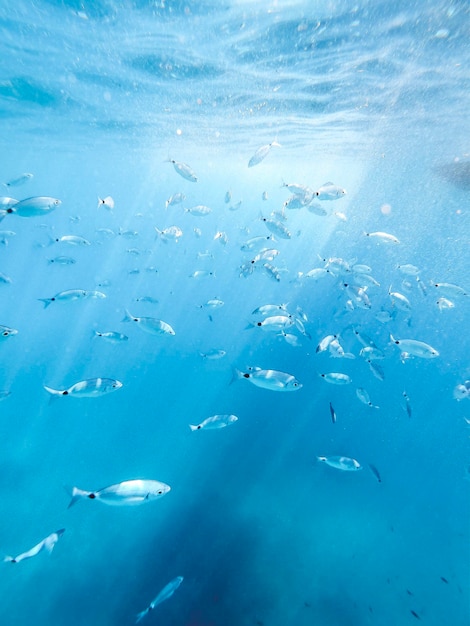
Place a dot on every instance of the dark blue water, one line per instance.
(95, 97)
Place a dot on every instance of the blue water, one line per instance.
(95, 97)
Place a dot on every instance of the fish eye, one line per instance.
(160, 492)
(5, 333)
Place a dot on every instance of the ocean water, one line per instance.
(96, 99)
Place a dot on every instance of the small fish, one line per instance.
(72, 240)
(215, 422)
(336, 378)
(71, 294)
(444, 580)
(33, 207)
(408, 270)
(364, 398)
(316, 273)
(4, 394)
(221, 237)
(184, 170)
(376, 370)
(111, 336)
(399, 301)
(333, 414)
(265, 309)
(269, 379)
(202, 274)
(407, 404)
(91, 388)
(200, 210)
(214, 303)
(128, 492)
(172, 233)
(414, 614)
(341, 462)
(450, 290)
(291, 339)
(167, 591)
(6, 280)
(6, 331)
(324, 343)
(330, 191)
(61, 260)
(213, 354)
(46, 544)
(462, 391)
(383, 237)
(148, 299)
(176, 198)
(262, 153)
(416, 348)
(5, 235)
(443, 304)
(107, 203)
(273, 323)
(256, 243)
(375, 471)
(277, 228)
(372, 354)
(272, 272)
(228, 197)
(19, 180)
(150, 325)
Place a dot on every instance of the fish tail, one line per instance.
(76, 494)
(236, 375)
(192, 427)
(2, 214)
(55, 393)
(46, 301)
(141, 615)
(9, 559)
(127, 317)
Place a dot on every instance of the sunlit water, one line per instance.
(95, 98)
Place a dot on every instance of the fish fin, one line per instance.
(141, 615)
(55, 393)
(46, 301)
(127, 317)
(192, 427)
(236, 375)
(3, 214)
(9, 559)
(76, 494)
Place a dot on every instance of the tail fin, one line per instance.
(9, 559)
(76, 494)
(141, 615)
(127, 317)
(46, 301)
(55, 393)
(192, 427)
(236, 375)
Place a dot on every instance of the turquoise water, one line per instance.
(95, 98)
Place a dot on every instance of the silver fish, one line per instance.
(262, 153)
(90, 388)
(111, 336)
(72, 240)
(215, 422)
(129, 492)
(364, 398)
(46, 544)
(330, 191)
(273, 323)
(383, 237)
(184, 170)
(61, 260)
(200, 210)
(416, 348)
(173, 233)
(167, 591)
(336, 378)
(34, 207)
(213, 354)
(6, 331)
(71, 294)
(107, 203)
(150, 325)
(176, 198)
(19, 180)
(341, 462)
(450, 290)
(277, 228)
(269, 379)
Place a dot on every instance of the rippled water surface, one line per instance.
(108, 100)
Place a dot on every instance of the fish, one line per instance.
(450, 290)
(71, 294)
(184, 170)
(111, 336)
(4, 394)
(265, 309)
(128, 492)
(416, 348)
(167, 591)
(333, 414)
(376, 369)
(336, 378)
(6, 331)
(150, 325)
(399, 301)
(34, 207)
(462, 391)
(324, 343)
(443, 304)
(256, 243)
(214, 303)
(213, 354)
(176, 198)
(61, 260)
(291, 339)
(330, 191)
(344, 463)
(272, 380)
(200, 210)
(372, 354)
(364, 398)
(407, 404)
(19, 180)
(408, 270)
(277, 228)
(171, 233)
(5, 236)
(149, 299)
(215, 422)
(107, 203)
(272, 272)
(414, 614)
(72, 240)
(262, 153)
(202, 274)
(375, 471)
(273, 323)
(90, 388)
(47, 544)
(383, 237)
